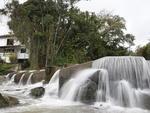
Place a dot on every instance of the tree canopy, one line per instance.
(57, 32)
(144, 51)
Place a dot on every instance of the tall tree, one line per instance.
(56, 32)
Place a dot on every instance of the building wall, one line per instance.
(17, 49)
(3, 42)
(21, 55)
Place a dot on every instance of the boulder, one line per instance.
(88, 91)
(146, 101)
(37, 92)
(7, 101)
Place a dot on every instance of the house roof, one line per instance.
(7, 36)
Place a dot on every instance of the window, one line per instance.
(23, 50)
(10, 41)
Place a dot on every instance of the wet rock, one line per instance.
(88, 92)
(7, 101)
(18, 77)
(146, 101)
(37, 92)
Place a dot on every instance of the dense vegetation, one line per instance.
(57, 32)
(144, 51)
(5, 68)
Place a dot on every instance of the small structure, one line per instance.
(11, 50)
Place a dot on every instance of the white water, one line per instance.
(125, 94)
(70, 88)
(7, 76)
(21, 80)
(119, 84)
(103, 93)
(128, 76)
(29, 79)
(11, 81)
(53, 86)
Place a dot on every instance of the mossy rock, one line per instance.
(37, 92)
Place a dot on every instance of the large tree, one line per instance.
(93, 36)
(56, 32)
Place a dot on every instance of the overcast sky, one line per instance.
(135, 12)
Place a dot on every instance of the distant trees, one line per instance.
(144, 51)
(57, 33)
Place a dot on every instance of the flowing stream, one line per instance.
(113, 84)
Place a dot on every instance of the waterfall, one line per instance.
(21, 80)
(7, 76)
(103, 86)
(125, 94)
(111, 82)
(53, 86)
(127, 77)
(11, 80)
(72, 87)
(133, 69)
(29, 79)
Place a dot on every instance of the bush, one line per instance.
(5, 68)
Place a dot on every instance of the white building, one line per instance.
(10, 46)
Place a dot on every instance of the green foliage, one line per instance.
(5, 68)
(144, 51)
(57, 33)
(97, 36)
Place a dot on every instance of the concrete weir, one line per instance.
(66, 73)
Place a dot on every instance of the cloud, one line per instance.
(135, 12)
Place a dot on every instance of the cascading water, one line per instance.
(21, 80)
(120, 81)
(125, 94)
(103, 87)
(29, 79)
(73, 89)
(53, 86)
(126, 76)
(7, 76)
(133, 69)
(11, 81)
